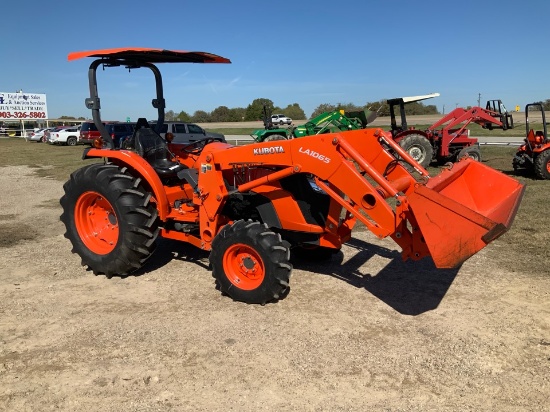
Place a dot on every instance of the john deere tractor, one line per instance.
(327, 122)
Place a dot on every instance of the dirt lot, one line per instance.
(365, 332)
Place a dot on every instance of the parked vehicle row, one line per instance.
(182, 132)
(117, 130)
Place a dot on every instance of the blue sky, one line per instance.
(305, 52)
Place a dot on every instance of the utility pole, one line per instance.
(479, 99)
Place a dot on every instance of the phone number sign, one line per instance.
(23, 106)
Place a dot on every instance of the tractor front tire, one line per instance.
(274, 137)
(250, 263)
(470, 151)
(419, 147)
(542, 165)
(109, 219)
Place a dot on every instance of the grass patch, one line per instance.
(50, 161)
(525, 246)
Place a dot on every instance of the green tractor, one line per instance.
(327, 122)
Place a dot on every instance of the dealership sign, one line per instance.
(23, 106)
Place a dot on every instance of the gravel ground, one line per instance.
(364, 332)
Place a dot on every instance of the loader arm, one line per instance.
(359, 171)
(459, 115)
(334, 162)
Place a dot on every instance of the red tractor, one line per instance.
(534, 155)
(448, 139)
(251, 206)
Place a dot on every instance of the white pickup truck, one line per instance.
(280, 119)
(68, 136)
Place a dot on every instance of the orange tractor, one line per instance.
(534, 155)
(252, 205)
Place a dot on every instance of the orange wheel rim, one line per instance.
(243, 267)
(548, 166)
(96, 223)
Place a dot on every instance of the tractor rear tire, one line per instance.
(109, 219)
(419, 147)
(250, 263)
(542, 165)
(274, 137)
(470, 151)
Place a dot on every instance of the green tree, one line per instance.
(220, 114)
(183, 117)
(200, 116)
(255, 110)
(294, 111)
(237, 114)
(322, 108)
(381, 107)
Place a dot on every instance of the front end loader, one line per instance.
(448, 139)
(252, 206)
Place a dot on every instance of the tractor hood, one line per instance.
(146, 55)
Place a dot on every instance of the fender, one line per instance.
(142, 167)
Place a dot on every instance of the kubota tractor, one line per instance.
(448, 139)
(251, 205)
(534, 155)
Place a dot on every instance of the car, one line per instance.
(117, 130)
(120, 131)
(67, 136)
(280, 119)
(38, 135)
(88, 132)
(51, 130)
(185, 133)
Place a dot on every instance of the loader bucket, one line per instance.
(463, 209)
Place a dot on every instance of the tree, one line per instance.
(325, 107)
(220, 114)
(170, 115)
(381, 107)
(183, 117)
(411, 109)
(237, 114)
(255, 110)
(200, 116)
(294, 111)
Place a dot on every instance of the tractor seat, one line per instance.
(154, 149)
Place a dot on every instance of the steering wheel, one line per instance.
(196, 147)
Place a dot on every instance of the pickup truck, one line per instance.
(280, 119)
(68, 136)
